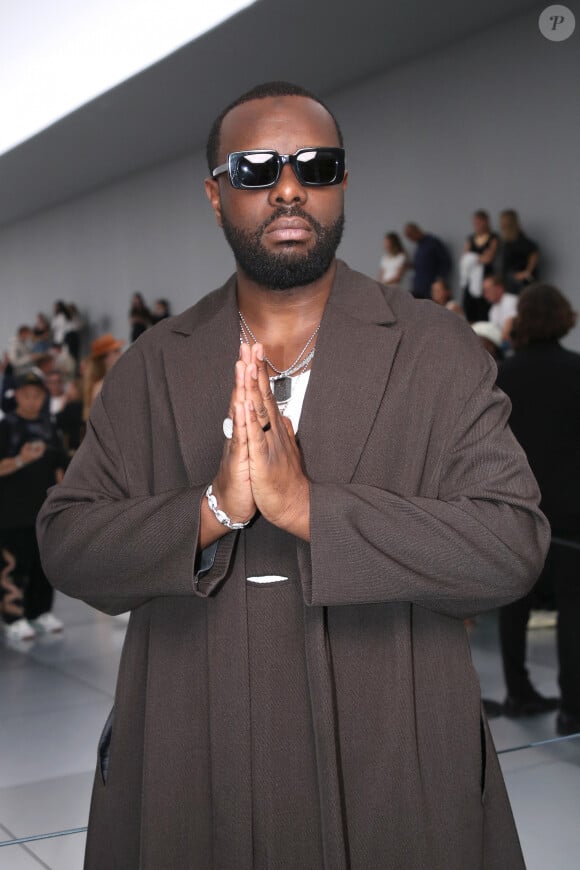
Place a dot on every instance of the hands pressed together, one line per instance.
(259, 470)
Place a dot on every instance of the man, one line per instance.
(297, 692)
(32, 459)
(430, 261)
(504, 306)
(20, 350)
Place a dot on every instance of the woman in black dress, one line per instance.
(519, 255)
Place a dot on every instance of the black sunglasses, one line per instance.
(315, 167)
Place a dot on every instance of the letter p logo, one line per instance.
(557, 23)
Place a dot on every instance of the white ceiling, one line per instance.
(166, 111)
(103, 41)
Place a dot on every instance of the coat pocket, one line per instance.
(104, 748)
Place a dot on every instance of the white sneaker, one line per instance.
(543, 619)
(19, 630)
(47, 623)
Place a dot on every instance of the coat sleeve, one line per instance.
(478, 545)
(116, 551)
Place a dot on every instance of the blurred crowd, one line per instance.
(493, 269)
(520, 323)
(47, 388)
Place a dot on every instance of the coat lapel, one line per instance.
(355, 351)
(199, 366)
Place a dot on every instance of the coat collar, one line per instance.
(355, 351)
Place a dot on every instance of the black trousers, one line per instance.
(24, 586)
(475, 307)
(562, 570)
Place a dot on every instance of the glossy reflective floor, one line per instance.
(56, 692)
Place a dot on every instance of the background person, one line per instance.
(60, 323)
(394, 261)
(139, 316)
(161, 310)
(32, 459)
(542, 379)
(42, 334)
(479, 253)
(519, 255)
(21, 354)
(431, 260)
(441, 292)
(105, 351)
(502, 306)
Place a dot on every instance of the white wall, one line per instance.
(488, 123)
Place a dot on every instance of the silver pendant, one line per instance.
(282, 388)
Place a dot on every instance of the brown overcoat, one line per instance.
(424, 511)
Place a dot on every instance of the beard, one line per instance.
(290, 268)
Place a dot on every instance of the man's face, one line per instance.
(412, 233)
(439, 293)
(29, 401)
(492, 292)
(287, 235)
(54, 384)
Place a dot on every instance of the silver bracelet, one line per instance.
(221, 516)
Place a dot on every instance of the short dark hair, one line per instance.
(496, 280)
(544, 314)
(260, 92)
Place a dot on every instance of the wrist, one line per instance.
(18, 461)
(216, 506)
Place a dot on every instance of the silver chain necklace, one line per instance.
(282, 382)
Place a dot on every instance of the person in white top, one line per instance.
(394, 262)
(503, 305)
(60, 322)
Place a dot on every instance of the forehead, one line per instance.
(282, 123)
(29, 391)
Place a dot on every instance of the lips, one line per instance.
(291, 229)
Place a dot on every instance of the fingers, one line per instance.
(238, 392)
(257, 388)
(239, 439)
(268, 398)
(256, 437)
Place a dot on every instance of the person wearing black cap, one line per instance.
(32, 459)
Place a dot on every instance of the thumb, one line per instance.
(289, 427)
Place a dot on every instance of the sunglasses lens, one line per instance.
(256, 170)
(315, 166)
(321, 166)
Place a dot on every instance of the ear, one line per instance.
(213, 194)
(345, 180)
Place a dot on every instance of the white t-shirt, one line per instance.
(390, 265)
(503, 310)
(293, 407)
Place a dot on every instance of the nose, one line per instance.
(287, 189)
